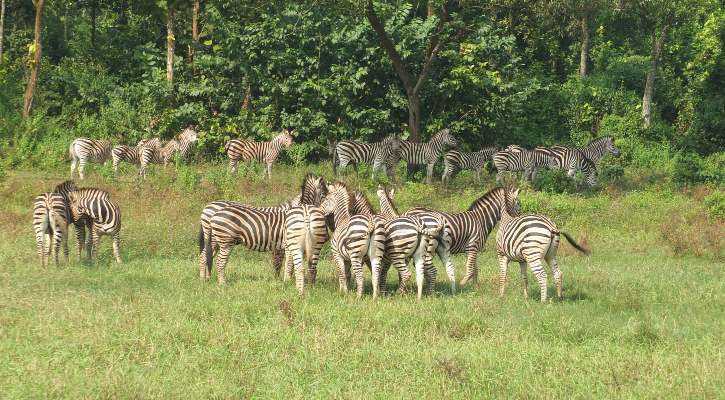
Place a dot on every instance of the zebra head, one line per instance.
(512, 204)
(445, 137)
(188, 135)
(313, 189)
(339, 201)
(515, 148)
(609, 142)
(286, 137)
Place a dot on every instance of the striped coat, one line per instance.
(378, 154)
(50, 220)
(180, 145)
(131, 154)
(93, 209)
(426, 153)
(83, 150)
(522, 160)
(264, 152)
(529, 239)
(456, 160)
(305, 234)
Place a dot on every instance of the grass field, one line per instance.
(642, 317)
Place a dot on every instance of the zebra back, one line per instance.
(91, 149)
(424, 153)
(388, 210)
(598, 147)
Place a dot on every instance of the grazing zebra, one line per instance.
(305, 234)
(573, 160)
(94, 209)
(466, 231)
(597, 148)
(457, 160)
(355, 237)
(163, 155)
(131, 154)
(50, 219)
(378, 154)
(515, 148)
(83, 150)
(264, 152)
(526, 160)
(425, 153)
(312, 191)
(528, 239)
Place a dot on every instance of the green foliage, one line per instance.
(554, 181)
(715, 204)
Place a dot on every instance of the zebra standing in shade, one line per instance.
(526, 160)
(312, 190)
(425, 153)
(466, 231)
(50, 220)
(378, 154)
(83, 150)
(456, 160)
(355, 237)
(264, 152)
(94, 209)
(529, 239)
(131, 154)
(180, 145)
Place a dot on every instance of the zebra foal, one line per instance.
(83, 150)
(528, 239)
(378, 154)
(264, 152)
(166, 152)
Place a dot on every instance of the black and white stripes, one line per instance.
(264, 152)
(50, 221)
(378, 154)
(456, 160)
(83, 150)
(426, 153)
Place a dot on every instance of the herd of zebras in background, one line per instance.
(295, 231)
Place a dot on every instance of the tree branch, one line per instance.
(433, 47)
(389, 48)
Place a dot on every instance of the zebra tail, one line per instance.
(308, 238)
(335, 159)
(209, 255)
(575, 244)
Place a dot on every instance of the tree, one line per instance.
(170, 13)
(194, 31)
(34, 53)
(2, 28)
(412, 89)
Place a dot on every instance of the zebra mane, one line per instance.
(497, 192)
(389, 199)
(342, 187)
(65, 187)
(309, 182)
(363, 203)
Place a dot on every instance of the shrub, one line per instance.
(554, 181)
(715, 204)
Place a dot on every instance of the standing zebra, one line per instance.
(50, 220)
(388, 210)
(378, 154)
(355, 237)
(305, 234)
(572, 160)
(179, 145)
(528, 239)
(131, 154)
(264, 152)
(425, 153)
(524, 160)
(466, 231)
(94, 209)
(596, 149)
(312, 191)
(457, 160)
(83, 150)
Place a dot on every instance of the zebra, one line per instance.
(82, 150)
(50, 220)
(163, 155)
(425, 153)
(355, 237)
(456, 160)
(515, 148)
(596, 149)
(264, 152)
(131, 154)
(524, 160)
(572, 160)
(305, 234)
(527, 239)
(388, 210)
(93, 209)
(312, 191)
(378, 154)
(465, 231)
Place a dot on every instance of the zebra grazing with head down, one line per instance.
(466, 231)
(50, 220)
(355, 237)
(93, 209)
(522, 160)
(312, 191)
(264, 152)
(378, 154)
(83, 150)
(425, 153)
(131, 154)
(166, 152)
(529, 239)
(455, 161)
(573, 160)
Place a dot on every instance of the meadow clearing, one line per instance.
(643, 317)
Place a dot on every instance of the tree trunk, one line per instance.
(414, 117)
(35, 62)
(247, 94)
(194, 33)
(2, 29)
(170, 43)
(585, 46)
(431, 8)
(649, 88)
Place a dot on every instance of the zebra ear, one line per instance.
(392, 191)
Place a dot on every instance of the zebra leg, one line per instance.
(115, 166)
(80, 238)
(202, 265)
(289, 266)
(89, 240)
(57, 241)
(93, 248)
(65, 245)
(471, 269)
(233, 166)
(47, 247)
(403, 275)
(39, 235)
(524, 279)
(357, 268)
(295, 259)
(445, 257)
(419, 274)
(341, 278)
(376, 276)
(537, 268)
(503, 263)
(269, 171)
(550, 258)
(81, 167)
(221, 263)
(429, 174)
(384, 268)
(277, 258)
(117, 246)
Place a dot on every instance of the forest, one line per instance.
(648, 73)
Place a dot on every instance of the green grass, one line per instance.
(642, 317)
